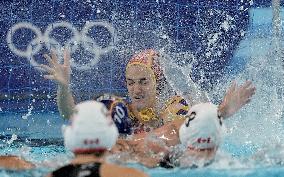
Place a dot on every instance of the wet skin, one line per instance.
(141, 87)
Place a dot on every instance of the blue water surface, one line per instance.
(39, 140)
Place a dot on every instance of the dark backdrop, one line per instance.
(210, 30)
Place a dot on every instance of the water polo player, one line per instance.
(145, 83)
(200, 135)
(198, 138)
(91, 134)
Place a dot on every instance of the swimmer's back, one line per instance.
(96, 170)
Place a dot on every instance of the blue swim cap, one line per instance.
(119, 112)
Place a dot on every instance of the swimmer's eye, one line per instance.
(130, 83)
(144, 82)
(190, 118)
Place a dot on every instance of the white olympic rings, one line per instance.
(79, 37)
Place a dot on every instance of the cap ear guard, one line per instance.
(190, 118)
(202, 128)
(118, 111)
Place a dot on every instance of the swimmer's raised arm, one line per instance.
(235, 98)
(60, 73)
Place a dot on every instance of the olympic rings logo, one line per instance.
(79, 37)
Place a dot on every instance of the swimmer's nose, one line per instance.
(137, 88)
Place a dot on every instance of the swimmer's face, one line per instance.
(141, 87)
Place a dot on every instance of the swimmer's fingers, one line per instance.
(67, 58)
(52, 61)
(246, 96)
(248, 92)
(49, 60)
(251, 91)
(232, 88)
(246, 101)
(66, 66)
(247, 84)
(47, 69)
(249, 97)
(54, 58)
(49, 77)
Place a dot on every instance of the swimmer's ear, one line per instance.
(190, 118)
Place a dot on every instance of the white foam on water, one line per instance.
(13, 138)
(29, 112)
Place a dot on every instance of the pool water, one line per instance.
(44, 147)
(253, 146)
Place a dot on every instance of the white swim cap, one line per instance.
(202, 129)
(92, 129)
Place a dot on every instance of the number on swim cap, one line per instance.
(190, 118)
(119, 113)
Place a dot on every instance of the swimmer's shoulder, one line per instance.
(175, 108)
(112, 170)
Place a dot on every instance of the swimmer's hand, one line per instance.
(58, 72)
(235, 98)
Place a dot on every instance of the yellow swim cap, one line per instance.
(147, 59)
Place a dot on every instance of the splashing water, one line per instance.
(13, 138)
(29, 113)
(259, 125)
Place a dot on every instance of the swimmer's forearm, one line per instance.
(65, 101)
(167, 133)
